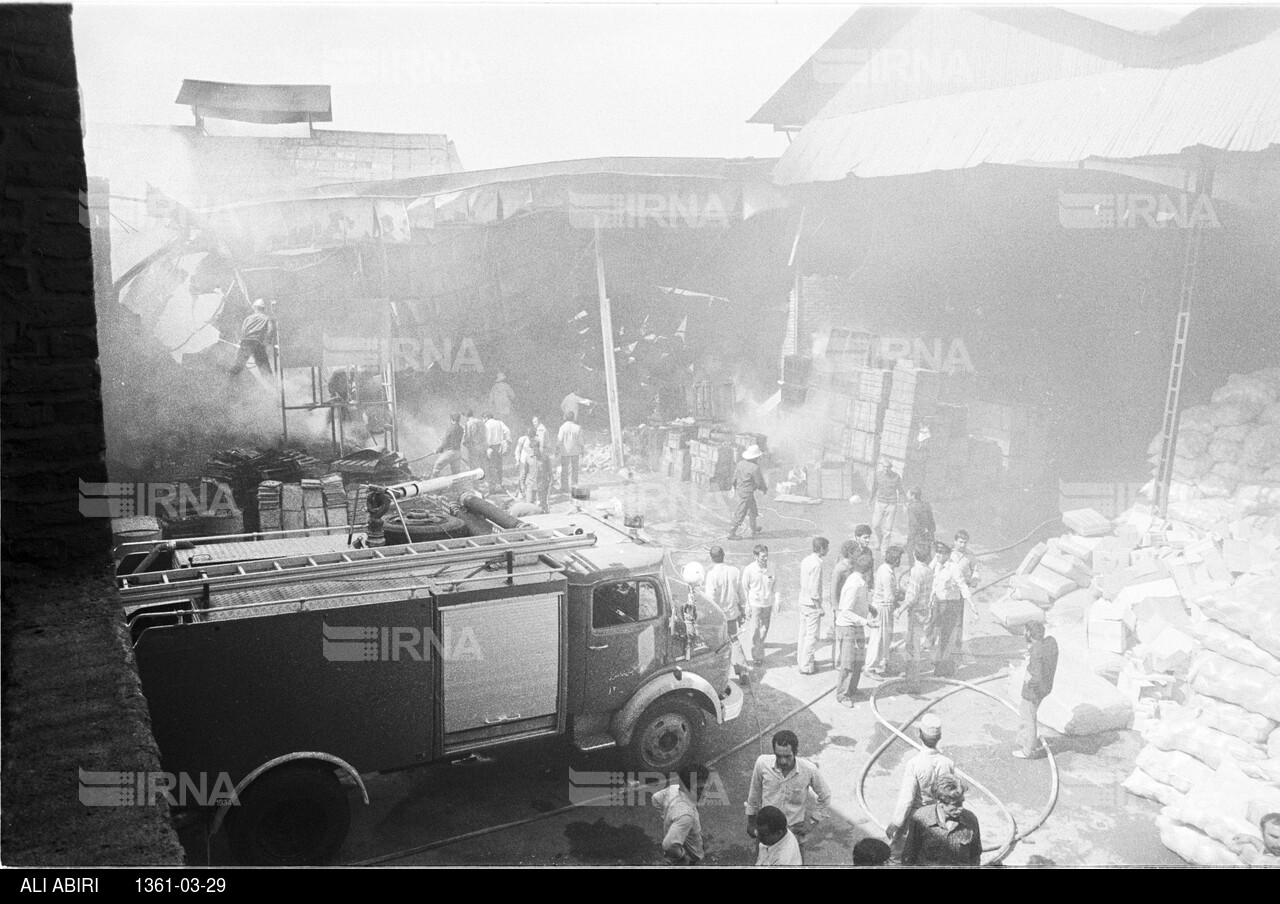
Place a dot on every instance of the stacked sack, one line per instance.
(1227, 462)
(1213, 753)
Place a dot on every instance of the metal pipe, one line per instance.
(411, 488)
(477, 504)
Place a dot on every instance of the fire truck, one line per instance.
(292, 664)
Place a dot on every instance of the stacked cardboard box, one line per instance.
(711, 464)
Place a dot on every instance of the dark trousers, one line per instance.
(251, 348)
(851, 655)
(568, 472)
(494, 474)
(949, 627)
(746, 511)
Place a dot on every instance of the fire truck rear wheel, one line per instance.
(668, 735)
(294, 815)
(420, 527)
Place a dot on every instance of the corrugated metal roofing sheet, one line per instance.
(1231, 103)
(257, 103)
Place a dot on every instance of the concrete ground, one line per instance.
(446, 815)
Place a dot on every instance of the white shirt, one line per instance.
(811, 581)
(886, 585)
(571, 403)
(785, 853)
(790, 792)
(758, 584)
(949, 582)
(570, 438)
(496, 432)
(681, 823)
(852, 608)
(723, 587)
(922, 771)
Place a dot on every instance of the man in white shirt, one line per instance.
(778, 846)
(497, 439)
(569, 443)
(922, 771)
(681, 823)
(884, 600)
(810, 606)
(951, 594)
(853, 615)
(917, 607)
(571, 404)
(785, 780)
(723, 586)
(759, 586)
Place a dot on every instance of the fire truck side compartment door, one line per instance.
(501, 669)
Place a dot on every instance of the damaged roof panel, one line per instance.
(271, 104)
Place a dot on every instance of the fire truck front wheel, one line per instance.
(668, 735)
(296, 815)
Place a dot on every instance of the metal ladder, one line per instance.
(378, 560)
(1169, 426)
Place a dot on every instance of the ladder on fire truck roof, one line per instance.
(376, 560)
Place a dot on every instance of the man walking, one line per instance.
(785, 780)
(810, 606)
(723, 586)
(681, 823)
(747, 478)
(887, 495)
(1042, 664)
(852, 618)
(569, 443)
(759, 586)
(255, 340)
(922, 772)
(449, 453)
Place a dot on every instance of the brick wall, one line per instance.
(72, 700)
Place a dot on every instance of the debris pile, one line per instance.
(244, 469)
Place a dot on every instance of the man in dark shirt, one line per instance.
(255, 339)
(1042, 663)
(920, 526)
(747, 478)
(450, 451)
(943, 833)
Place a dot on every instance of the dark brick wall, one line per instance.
(71, 697)
(50, 411)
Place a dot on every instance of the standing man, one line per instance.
(255, 340)
(810, 605)
(723, 586)
(524, 455)
(887, 495)
(759, 586)
(473, 438)
(497, 440)
(884, 600)
(842, 570)
(951, 594)
(778, 847)
(943, 833)
(920, 526)
(917, 606)
(747, 478)
(922, 772)
(785, 780)
(572, 404)
(502, 398)
(864, 558)
(852, 617)
(681, 824)
(540, 433)
(1042, 664)
(569, 442)
(449, 453)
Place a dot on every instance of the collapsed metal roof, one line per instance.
(257, 103)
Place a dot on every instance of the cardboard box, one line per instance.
(1106, 561)
(1108, 636)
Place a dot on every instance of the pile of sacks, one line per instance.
(1171, 627)
(1227, 462)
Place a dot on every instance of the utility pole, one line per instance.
(610, 364)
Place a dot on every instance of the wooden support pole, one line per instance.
(610, 363)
